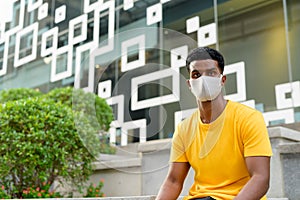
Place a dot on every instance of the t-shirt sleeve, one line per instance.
(255, 136)
(178, 148)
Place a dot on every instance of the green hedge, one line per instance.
(50, 137)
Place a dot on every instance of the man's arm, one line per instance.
(173, 183)
(258, 185)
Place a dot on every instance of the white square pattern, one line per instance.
(43, 11)
(164, 1)
(155, 101)
(81, 63)
(49, 50)
(2, 31)
(60, 14)
(32, 4)
(82, 20)
(283, 89)
(192, 24)
(88, 7)
(140, 41)
(3, 69)
(207, 35)
(178, 56)
(110, 5)
(21, 19)
(61, 75)
(104, 89)
(34, 29)
(154, 14)
(128, 4)
(286, 115)
(239, 69)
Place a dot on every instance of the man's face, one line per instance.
(204, 68)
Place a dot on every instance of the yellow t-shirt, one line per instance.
(216, 151)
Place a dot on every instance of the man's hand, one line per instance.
(173, 183)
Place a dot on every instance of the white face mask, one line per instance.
(206, 88)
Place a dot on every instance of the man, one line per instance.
(226, 143)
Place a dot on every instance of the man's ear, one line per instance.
(188, 83)
(223, 80)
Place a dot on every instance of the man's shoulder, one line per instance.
(190, 121)
(241, 109)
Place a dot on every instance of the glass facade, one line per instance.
(132, 53)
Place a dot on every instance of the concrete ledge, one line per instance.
(286, 133)
(133, 198)
(289, 148)
(108, 198)
(278, 199)
(155, 145)
(117, 162)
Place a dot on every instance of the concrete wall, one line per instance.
(290, 161)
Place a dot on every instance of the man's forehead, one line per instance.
(207, 64)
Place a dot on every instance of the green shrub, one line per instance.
(40, 143)
(17, 93)
(37, 192)
(97, 112)
(94, 190)
(86, 102)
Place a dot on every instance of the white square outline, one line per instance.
(164, 1)
(2, 33)
(104, 84)
(65, 74)
(127, 4)
(33, 27)
(239, 69)
(282, 89)
(110, 5)
(42, 8)
(192, 24)
(21, 19)
(90, 7)
(287, 115)
(62, 9)
(212, 39)
(79, 50)
(47, 51)
(32, 6)
(72, 23)
(141, 124)
(3, 71)
(249, 103)
(139, 40)
(104, 49)
(179, 51)
(181, 115)
(155, 101)
(119, 100)
(157, 9)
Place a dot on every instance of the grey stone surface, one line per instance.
(279, 136)
(290, 160)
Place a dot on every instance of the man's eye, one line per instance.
(196, 75)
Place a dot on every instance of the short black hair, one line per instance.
(203, 53)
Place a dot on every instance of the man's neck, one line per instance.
(211, 110)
